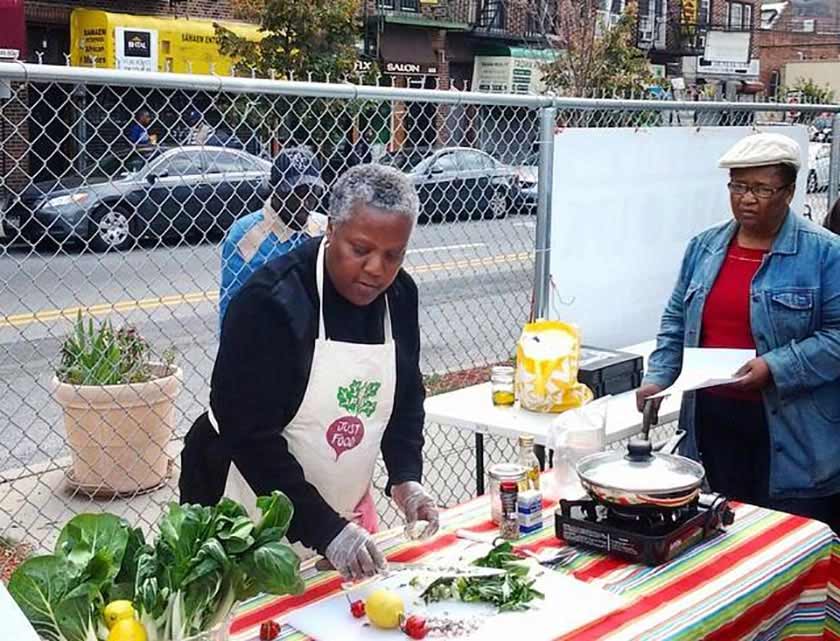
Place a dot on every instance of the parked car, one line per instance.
(139, 192)
(819, 162)
(458, 183)
(528, 174)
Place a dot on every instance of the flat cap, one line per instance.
(762, 150)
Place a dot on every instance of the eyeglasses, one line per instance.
(759, 191)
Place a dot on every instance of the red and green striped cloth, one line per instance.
(770, 576)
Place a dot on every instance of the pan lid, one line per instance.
(650, 473)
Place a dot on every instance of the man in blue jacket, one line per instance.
(285, 221)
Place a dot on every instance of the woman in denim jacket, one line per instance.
(767, 280)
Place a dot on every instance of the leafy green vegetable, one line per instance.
(509, 592)
(62, 594)
(207, 559)
(204, 560)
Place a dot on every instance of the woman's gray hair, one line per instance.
(377, 186)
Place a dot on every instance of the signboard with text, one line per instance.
(136, 49)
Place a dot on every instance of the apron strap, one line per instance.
(319, 283)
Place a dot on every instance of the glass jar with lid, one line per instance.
(496, 474)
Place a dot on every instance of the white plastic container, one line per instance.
(573, 435)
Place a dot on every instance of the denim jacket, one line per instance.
(795, 320)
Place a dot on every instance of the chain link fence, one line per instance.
(118, 218)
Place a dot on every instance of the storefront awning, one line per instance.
(419, 20)
(544, 55)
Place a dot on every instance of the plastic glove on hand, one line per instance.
(417, 505)
(355, 554)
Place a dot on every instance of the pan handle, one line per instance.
(650, 416)
(670, 445)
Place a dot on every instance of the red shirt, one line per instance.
(726, 315)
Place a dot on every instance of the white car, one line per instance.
(819, 162)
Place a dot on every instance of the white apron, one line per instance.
(337, 431)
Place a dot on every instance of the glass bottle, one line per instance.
(528, 459)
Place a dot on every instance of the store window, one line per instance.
(409, 5)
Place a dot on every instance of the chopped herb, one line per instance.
(509, 592)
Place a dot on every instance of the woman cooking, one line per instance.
(767, 280)
(317, 372)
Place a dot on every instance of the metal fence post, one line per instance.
(834, 167)
(542, 259)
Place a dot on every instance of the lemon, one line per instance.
(384, 609)
(127, 630)
(117, 611)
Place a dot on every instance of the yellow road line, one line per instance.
(211, 296)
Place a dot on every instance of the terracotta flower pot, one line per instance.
(118, 434)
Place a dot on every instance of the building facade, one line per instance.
(787, 35)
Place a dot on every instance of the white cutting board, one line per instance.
(568, 604)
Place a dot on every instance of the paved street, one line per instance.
(475, 287)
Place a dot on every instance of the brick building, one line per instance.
(788, 36)
(720, 57)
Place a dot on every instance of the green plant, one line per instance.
(99, 355)
(62, 594)
(811, 93)
(203, 561)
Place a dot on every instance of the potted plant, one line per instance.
(119, 408)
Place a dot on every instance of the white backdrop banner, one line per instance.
(625, 203)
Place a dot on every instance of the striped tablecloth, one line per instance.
(770, 576)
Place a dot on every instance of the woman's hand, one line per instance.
(644, 392)
(354, 553)
(417, 505)
(756, 375)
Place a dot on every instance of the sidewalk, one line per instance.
(36, 502)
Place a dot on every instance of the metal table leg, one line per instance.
(479, 463)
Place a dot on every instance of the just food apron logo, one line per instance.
(359, 398)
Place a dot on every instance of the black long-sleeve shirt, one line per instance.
(262, 371)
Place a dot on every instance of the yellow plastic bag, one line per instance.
(547, 362)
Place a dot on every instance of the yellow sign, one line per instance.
(124, 41)
(689, 12)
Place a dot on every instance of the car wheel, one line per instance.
(813, 184)
(111, 230)
(498, 206)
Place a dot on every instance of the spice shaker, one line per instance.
(497, 474)
(509, 525)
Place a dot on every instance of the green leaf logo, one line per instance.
(359, 398)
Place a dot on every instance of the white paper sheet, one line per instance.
(15, 625)
(708, 367)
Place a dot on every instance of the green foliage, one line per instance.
(62, 594)
(511, 591)
(595, 60)
(299, 38)
(99, 355)
(204, 560)
(207, 559)
(811, 93)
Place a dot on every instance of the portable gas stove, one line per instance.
(642, 535)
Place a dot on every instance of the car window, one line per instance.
(183, 164)
(223, 162)
(472, 161)
(446, 162)
(112, 166)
